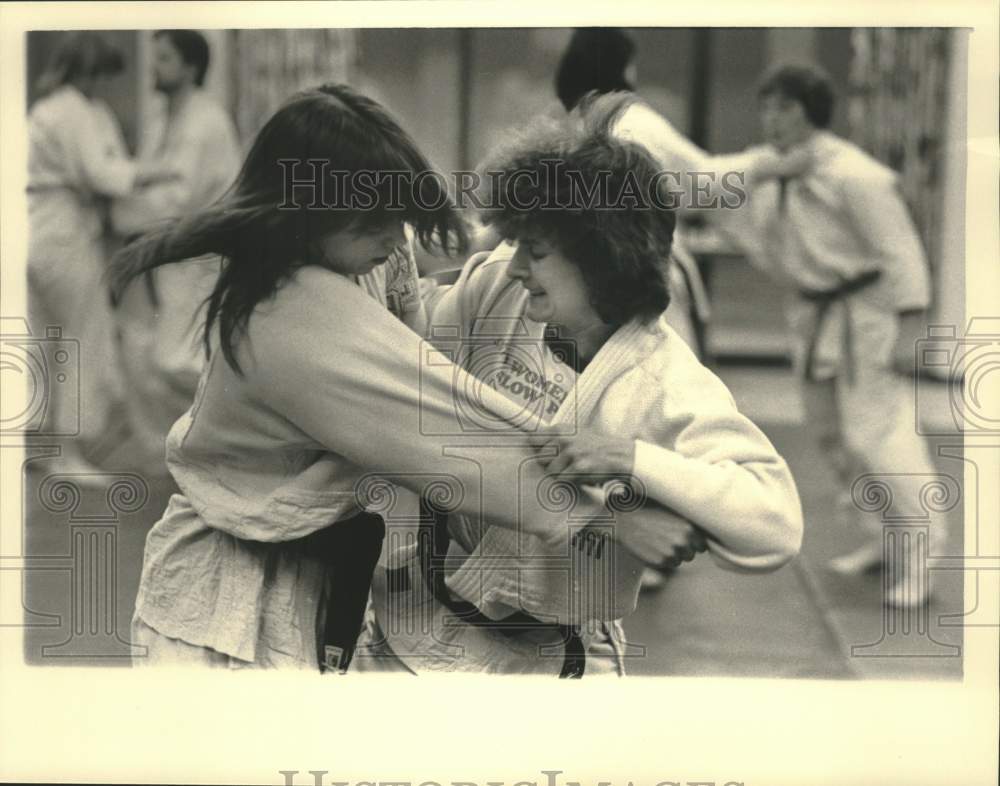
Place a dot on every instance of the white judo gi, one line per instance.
(843, 220)
(695, 454)
(76, 160)
(334, 390)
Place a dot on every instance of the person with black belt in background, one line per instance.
(840, 242)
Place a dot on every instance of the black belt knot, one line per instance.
(433, 539)
(824, 300)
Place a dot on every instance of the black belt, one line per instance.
(824, 300)
(433, 539)
(350, 549)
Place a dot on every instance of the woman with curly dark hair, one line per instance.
(566, 318)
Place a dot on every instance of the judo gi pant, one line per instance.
(863, 413)
(70, 309)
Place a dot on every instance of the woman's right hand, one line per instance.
(771, 164)
(658, 536)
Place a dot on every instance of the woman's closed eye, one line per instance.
(537, 251)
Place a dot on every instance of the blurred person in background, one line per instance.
(839, 241)
(159, 317)
(77, 160)
(827, 223)
(601, 61)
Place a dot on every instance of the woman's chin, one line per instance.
(538, 311)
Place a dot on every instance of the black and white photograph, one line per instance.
(391, 356)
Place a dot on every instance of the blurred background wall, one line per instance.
(901, 94)
(124, 95)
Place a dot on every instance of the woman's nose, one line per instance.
(518, 267)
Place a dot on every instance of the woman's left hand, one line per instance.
(585, 457)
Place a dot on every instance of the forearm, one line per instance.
(109, 176)
(402, 410)
(750, 510)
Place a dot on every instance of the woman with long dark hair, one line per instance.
(313, 383)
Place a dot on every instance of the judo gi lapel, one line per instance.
(611, 361)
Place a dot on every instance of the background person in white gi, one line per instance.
(159, 316)
(76, 160)
(840, 241)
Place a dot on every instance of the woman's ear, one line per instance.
(631, 74)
